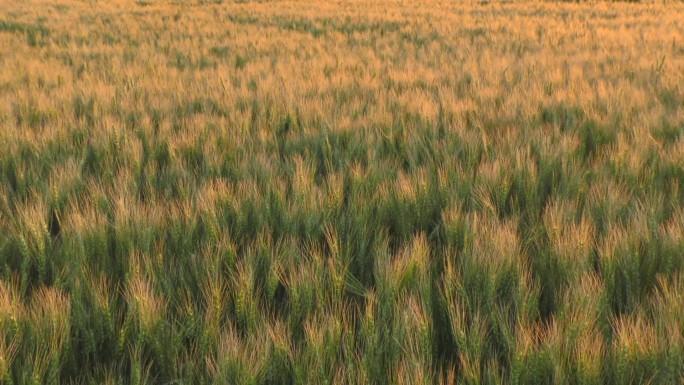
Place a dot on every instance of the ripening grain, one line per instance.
(351, 192)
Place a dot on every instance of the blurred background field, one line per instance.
(341, 192)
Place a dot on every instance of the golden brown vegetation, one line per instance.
(341, 192)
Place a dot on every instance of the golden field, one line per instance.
(341, 192)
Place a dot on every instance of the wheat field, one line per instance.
(341, 192)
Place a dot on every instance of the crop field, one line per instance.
(341, 192)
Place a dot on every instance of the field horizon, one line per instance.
(348, 192)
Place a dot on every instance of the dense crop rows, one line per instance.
(341, 192)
